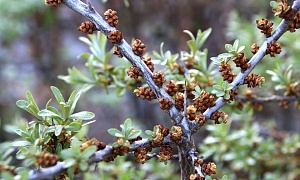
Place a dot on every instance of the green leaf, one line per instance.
(76, 77)
(58, 130)
(149, 132)
(69, 162)
(89, 122)
(274, 4)
(190, 34)
(86, 87)
(91, 67)
(228, 47)
(21, 143)
(115, 132)
(120, 92)
(127, 124)
(88, 152)
(67, 154)
(84, 115)
(74, 126)
(58, 148)
(31, 100)
(134, 134)
(25, 105)
(47, 113)
(240, 49)
(236, 45)
(83, 166)
(216, 60)
(219, 94)
(225, 177)
(226, 96)
(192, 46)
(58, 96)
(198, 89)
(208, 178)
(50, 129)
(225, 55)
(218, 88)
(53, 109)
(201, 37)
(36, 134)
(19, 132)
(7, 175)
(72, 101)
(48, 103)
(85, 40)
(70, 172)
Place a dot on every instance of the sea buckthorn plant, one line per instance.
(188, 87)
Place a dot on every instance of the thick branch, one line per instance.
(239, 80)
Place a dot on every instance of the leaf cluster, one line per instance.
(101, 70)
(53, 130)
(127, 133)
(251, 150)
(232, 53)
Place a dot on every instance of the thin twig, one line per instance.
(239, 80)
(98, 156)
(272, 98)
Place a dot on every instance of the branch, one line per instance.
(98, 156)
(272, 98)
(239, 80)
(125, 50)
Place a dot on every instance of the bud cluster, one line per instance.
(138, 47)
(115, 36)
(209, 168)
(134, 72)
(111, 17)
(165, 104)
(159, 78)
(242, 62)
(54, 3)
(226, 72)
(87, 27)
(203, 102)
(162, 132)
(165, 153)
(46, 159)
(254, 80)
(145, 93)
(265, 26)
(273, 48)
(171, 88)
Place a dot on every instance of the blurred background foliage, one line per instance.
(39, 42)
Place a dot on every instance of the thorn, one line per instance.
(89, 4)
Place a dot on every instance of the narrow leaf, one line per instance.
(236, 45)
(58, 96)
(74, 126)
(31, 100)
(58, 130)
(47, 113)
(134, 134)
(127, 124)
(84, 115)
(88, 152)
(113, 131)
(69, 162)
(21, 143)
